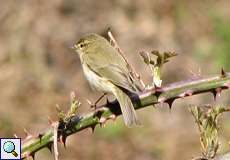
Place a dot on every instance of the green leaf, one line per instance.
(155, 60)
(207, 122)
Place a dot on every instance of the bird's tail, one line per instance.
(127, 109)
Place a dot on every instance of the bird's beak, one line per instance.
(73, 47)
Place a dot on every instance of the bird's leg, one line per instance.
(98, 100)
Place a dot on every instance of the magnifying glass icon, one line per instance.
(9, 147)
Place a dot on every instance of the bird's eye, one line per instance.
(81, 45)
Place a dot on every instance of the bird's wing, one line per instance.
(112, 66)
(116, 75)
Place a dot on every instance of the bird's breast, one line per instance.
(97, 82)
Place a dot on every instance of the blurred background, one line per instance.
(38, 69)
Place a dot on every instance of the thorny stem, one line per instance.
(110, 110)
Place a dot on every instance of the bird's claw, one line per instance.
(92, 105)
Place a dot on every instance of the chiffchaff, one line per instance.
(107, 71)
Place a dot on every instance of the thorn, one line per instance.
(93, 128)
(102, 121)
(223, 74)
(49, 146)
(170, 102)
(40, 137)
(113, 117)
(227, 85)
(63, 140)
(33, 156)
(216, 93)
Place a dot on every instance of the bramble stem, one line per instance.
(110, 110)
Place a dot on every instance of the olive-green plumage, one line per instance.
(107, 71)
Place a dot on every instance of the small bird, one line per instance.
(107, 71)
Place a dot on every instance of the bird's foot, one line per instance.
(94, 105)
